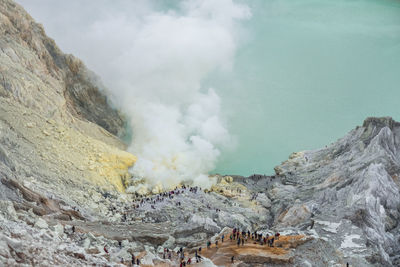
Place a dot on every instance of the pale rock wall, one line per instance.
(57, 128)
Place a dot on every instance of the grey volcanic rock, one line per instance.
(349, 191)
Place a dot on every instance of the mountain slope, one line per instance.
(56, 125)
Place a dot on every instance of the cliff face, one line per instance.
(38, 75)
(56, 125)
(350, 190)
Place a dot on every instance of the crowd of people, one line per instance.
(141, 203)
(243, 237)
(240, 237)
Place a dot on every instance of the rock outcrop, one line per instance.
(349, 191)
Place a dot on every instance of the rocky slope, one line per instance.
(63, 174)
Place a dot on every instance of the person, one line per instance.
(119, 243)
(242, 241)
(105, 249)
(189, 261)
(137, 262)
(232, 259)
(277, 236)
(73, 229)
(231, 237)
(216, 243)
(222, 238)
(347, 264)
(208, 244)
(133, 259)
(238, 241)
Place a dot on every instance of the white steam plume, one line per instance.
(154, 61)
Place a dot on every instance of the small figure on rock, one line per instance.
(133, 259)
(277, 236)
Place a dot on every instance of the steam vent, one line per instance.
(127, 157)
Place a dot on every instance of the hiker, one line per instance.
(231, 237)
(208, 244)
(133, 259)
(232, 259)
(238, 241)
(120, 244)
(73, 229)
(272, 241)
(242, 241)
(277, 236)
(189, 261)
(216, 243)
(137, 262)
(222, 238)
(105, 249)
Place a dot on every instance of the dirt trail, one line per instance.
(250, 252)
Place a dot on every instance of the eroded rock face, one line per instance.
(352, 182)
(55, 123)
(37, 74)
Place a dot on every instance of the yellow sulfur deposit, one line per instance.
(113, 166)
